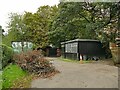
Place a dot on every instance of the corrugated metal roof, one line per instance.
(79, 40)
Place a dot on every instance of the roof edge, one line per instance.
(75, 40)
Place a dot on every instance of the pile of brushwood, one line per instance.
(34, 62)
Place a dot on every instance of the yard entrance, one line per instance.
(76, 75)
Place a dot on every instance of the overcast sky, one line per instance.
(19, 6)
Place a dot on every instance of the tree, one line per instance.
(31, 27)
(1, 30)
(108, 29)
(1, 34)
(16, 29)
(72, 22)
(38, 24)
(84, 20)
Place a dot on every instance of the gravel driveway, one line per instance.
(75, 75)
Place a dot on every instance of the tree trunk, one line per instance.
(115, 53)
(118, 19)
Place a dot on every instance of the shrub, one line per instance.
(34, 47)
(7, 53)
(34, 62)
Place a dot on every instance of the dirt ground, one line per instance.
(99, 74)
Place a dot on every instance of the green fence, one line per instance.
(18, 46)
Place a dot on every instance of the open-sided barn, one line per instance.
(87, 48)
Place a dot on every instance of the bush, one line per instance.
(7, 53)
(34, 47)
(34, 62)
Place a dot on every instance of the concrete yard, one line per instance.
(76, 75)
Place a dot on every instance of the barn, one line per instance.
(85, 48)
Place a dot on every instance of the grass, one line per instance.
(25, 83)
(75, 61)
(0, 80)
(10, 74)
(69, 60)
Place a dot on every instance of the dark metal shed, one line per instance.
(87, 48)
(51, 51)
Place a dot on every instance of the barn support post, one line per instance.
(78, 56)
(78, 51)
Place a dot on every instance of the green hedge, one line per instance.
(7, 53)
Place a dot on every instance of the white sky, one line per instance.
(19, 6)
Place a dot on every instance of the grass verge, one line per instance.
(24, 82)
(0, 80)
(12, 75)
(74, 61)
